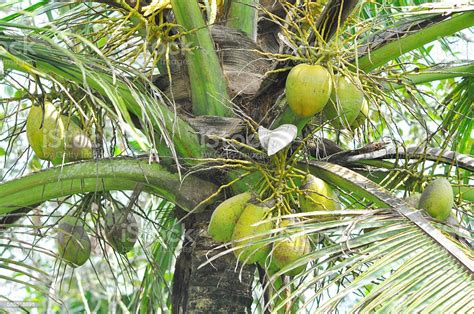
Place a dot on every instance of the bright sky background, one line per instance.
(463, 48)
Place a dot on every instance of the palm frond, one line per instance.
(104, 175)
(42, 57)
(415, 152)
(391, 50)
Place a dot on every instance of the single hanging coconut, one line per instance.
(318, 196)
(437, 199)
(308, 88)
(73, 243)
(413, 200)
(345, 103)
(121, 231)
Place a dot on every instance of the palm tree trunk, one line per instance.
(214, 288)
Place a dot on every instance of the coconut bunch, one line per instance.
(258, 235)
(311, 89)
(73, 243)
(249, 224)
(56, 137)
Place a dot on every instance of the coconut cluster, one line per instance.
(248, 226)
(56, 137)
(73, 242)
(311, 89)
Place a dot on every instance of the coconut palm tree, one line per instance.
(186, 104)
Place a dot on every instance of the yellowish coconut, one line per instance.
(318, 196)
(226, 215)
(45, 131)
(345, 102)
(250, 225)
(308, 88)
(55, 137)
(286, 251)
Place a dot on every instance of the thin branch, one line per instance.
(411, 152)
(392, 34)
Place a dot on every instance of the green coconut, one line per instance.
(45, 131)
(55, 137)
(362, 117)
(73, 243)
(78, 143)
(345, 103)
(121, 231)
(318, 196)
(437, 199)
(289, 249)
(250, 225)
(268, 263)
(308, 88)
(226, 215)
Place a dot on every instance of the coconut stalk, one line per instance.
(332, 18)
(414, 40)
(103, 175)
(431, 75)
(208, 83)
(243, 16)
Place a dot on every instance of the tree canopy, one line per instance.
(329, 144)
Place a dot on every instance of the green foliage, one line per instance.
(368, 249)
